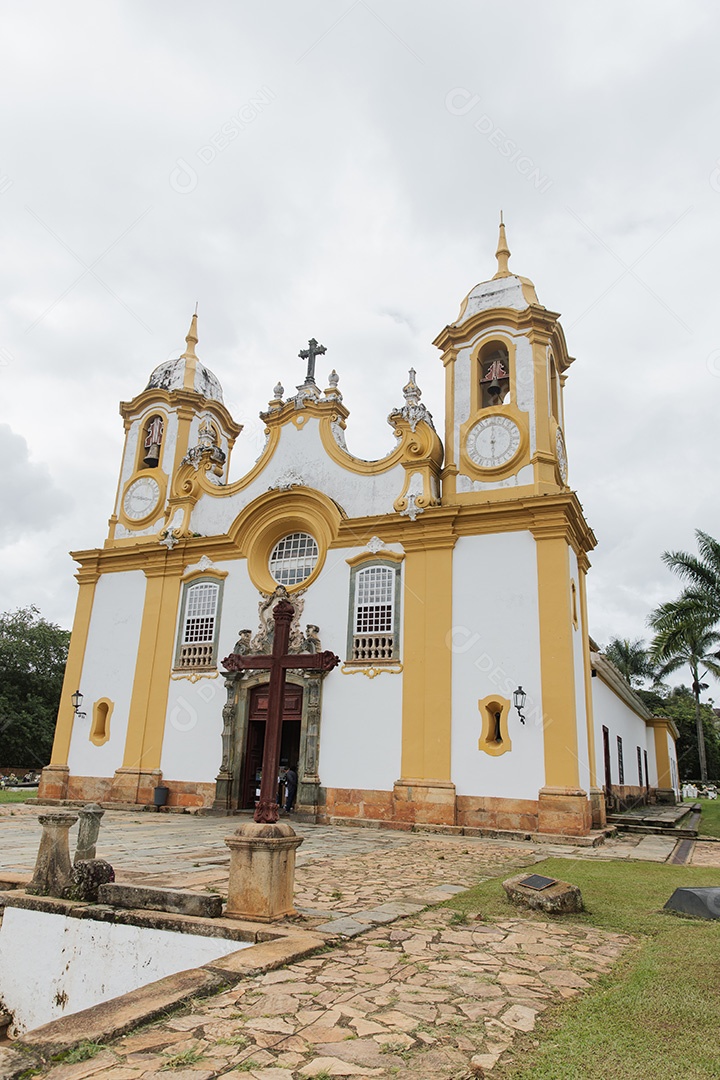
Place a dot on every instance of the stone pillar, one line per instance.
(88, 832)
(223, 780)
(262, 871)
(309, 781)
(53, 870)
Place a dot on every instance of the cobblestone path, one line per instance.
(430, 997)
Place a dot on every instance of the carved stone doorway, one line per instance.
(249, 788)
(244, 732)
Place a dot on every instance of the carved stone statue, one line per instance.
(242, 645)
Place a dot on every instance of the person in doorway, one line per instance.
(291, 785)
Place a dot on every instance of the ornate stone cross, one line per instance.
(279, 661)
(313, 350)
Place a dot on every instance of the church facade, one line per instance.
(448, 576)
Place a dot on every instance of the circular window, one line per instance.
(293, 558)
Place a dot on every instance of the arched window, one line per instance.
(374, 629)
(293, 559)
(494, 365)
(199, 625)
(153, 432)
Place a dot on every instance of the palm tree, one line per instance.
(631, 659)
(702, 573)
(684, 635)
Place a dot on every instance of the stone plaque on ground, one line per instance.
(703, 903)
(556, 898)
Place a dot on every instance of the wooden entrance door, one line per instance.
(290, 744)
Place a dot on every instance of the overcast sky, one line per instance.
(336, 169)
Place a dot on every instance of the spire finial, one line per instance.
(503, 252)
(192, 337)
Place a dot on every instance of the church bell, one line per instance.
(152, 457)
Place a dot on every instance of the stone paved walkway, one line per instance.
(408, 989)
(431, 998)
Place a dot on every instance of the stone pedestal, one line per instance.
(428, 801)
(54, 782)
(564, 811)
(598, 808)
(134, 786)
(90, 816)
(262, 871)
(53, 869)
(665, 795)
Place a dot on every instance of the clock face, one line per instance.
(561, 455)
(493, 441)
(141, 498)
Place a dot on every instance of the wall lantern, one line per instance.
(77, 700)
(519, 697)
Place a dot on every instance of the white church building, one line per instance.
(449, 577)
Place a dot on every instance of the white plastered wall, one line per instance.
(613, 713)
(109, 670)
(361, 725)
(300, 459)
(358, 714)
(495, 645)
(192, 743)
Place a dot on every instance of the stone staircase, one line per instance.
(660, 819)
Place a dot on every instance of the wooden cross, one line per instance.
(309, 354)
(277, 663)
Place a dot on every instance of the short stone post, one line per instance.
(88, 832)
(53, 869)
(262, 871)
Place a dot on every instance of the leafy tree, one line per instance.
(33, 653)
(701, 573)
(632, 660)
(684, 637)
(679, 705)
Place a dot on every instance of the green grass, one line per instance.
(185, 1057)
(657, 1013)
(710, 820)
(82, 1052)
(17, 796)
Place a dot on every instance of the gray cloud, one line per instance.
(29, 498)
(333, 192)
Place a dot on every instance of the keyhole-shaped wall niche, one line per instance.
(494, 736)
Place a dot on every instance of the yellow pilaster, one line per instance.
(662, 755)
(87, 577)
(427, 660)
(148, 704)
(556, 658)
(583, 566)
(185, 414)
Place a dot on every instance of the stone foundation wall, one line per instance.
(356, 803)
(628, 796)
(127, 786)
(558, 811)
(519, 815)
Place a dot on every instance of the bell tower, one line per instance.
(178, 417)
(505, 362)
(521, 557)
